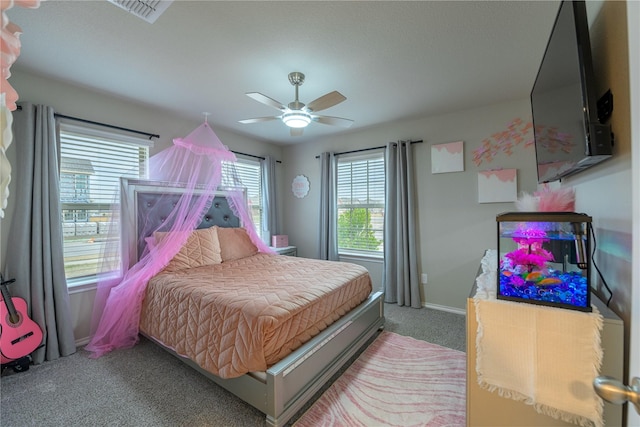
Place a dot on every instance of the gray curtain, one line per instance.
(269, 205)
(35, 233)
(328, 207)
(400, 279)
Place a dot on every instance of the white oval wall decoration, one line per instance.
(300, 186)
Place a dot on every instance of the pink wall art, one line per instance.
(497, 186)
(447, 157)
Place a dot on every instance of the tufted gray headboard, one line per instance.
(146, 205)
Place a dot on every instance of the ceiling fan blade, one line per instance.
(259, 119)
(333, 121)
(264, 99)
(326, 101)
(296, 131)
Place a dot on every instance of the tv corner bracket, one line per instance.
(605, 109)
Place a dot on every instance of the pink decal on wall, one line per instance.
(517, 133)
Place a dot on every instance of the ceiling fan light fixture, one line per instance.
(296, 115)
(296, 119)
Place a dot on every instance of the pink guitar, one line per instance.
(19, 335)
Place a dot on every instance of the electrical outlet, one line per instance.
(423, 278)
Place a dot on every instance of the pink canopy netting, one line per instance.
(199, 164)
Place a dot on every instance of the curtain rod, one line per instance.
(62, 116)
(142, 133)
(368, 149)
(251, 155)
(150, 135)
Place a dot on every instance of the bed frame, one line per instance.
(287, 386)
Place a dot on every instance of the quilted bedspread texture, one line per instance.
(245, 315)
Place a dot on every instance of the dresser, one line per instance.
(485, 408)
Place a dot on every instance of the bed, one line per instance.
(287, 374)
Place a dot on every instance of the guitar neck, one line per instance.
(6, 297)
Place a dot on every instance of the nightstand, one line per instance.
(286, 250)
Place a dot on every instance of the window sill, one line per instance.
(83, 284)
(362, 256)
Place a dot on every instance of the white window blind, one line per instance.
(361, 193)
(249, 172)
(91, 164)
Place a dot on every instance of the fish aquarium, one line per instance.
(545, 258)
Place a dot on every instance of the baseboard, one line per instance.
(82, 342)
(445, 308)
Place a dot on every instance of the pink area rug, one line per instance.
(396, 381)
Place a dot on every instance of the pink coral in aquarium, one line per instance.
(530, 259)
(530, 253)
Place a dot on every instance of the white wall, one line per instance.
(78, 102)
(453, 228)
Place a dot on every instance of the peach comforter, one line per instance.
(245, 315)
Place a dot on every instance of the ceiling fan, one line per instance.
(296, 114)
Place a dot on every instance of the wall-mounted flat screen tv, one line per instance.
(568, 135)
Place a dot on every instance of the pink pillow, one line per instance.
(235, 243)
(201, 248)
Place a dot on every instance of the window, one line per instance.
(360, 203)
(249, 172)
(91, 164)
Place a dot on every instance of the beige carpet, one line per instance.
(397, 381)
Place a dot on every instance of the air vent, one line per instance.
(149, 10)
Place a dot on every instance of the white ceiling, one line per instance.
(391, 59)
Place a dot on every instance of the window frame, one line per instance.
(69, 134)
(370, 155)
(72, 209)
(249, 161)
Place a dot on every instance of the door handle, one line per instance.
(613, 391)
